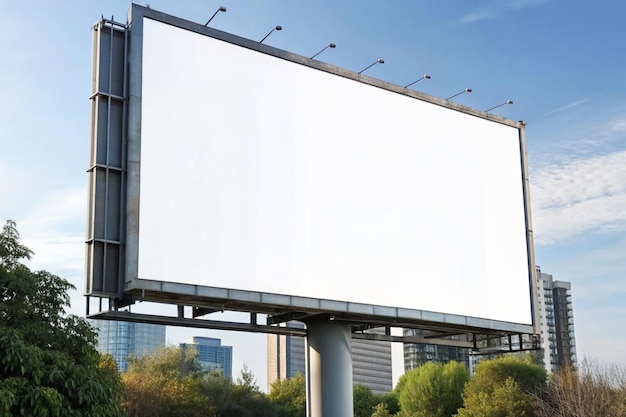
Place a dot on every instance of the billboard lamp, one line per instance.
(278, 27)
(500, 105)
(330, 45)
(378, 61)
(467, 90)
(424, 77)
(221, 9)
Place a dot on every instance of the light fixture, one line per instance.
(378, 61)
(330, 45)
(500, 105)
(220, 9)
(423, 77)
(467, 90)
(278, 27)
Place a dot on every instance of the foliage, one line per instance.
(494, 372)
(432, 390)
(166, 383)
(381, 410)
(501, 388)
(364, 401)
(48, 362)
(504, 400)
(171, 382)
(390, 400)
(594, 390)
(289, 396)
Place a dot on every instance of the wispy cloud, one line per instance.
(579, 196)
(496, 10)
(522, 4)
(478, 16)
(566, 107)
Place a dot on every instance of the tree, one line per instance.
(364, 401)
(166, 383)
(504, 400)
(501, 388)
(380, 410)
(288, 396)
(594, 390)
(49, 365)
(432, 390)
(390, 400)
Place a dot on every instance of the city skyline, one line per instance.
(557, 65)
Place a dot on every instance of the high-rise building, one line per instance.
(556, 322)
(123, 338)
(212, 355)
(285, 355)
(371, 360)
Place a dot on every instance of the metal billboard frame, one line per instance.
(113, 218)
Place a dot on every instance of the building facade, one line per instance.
(212, 355)
(371, 360)
(556, 322)
(122, 339)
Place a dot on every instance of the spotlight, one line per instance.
(467, 90)
(221, 9)
(278, 27)
(330, 45)
(378, 61)
(424, 77)
(500, 105)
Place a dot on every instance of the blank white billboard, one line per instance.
(265, 175)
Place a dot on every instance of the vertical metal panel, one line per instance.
(530, 239)
(133, 138)
(106, 162)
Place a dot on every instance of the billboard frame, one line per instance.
(113, 225)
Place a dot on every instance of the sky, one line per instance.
(561, 64)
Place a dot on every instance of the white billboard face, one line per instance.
(264, 175)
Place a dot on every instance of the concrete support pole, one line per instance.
(329, 369)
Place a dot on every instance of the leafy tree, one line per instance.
(364, 401)
(288, 396)
(390, 400)
(501, 388)
(165, 383)
(504, 400)
(243, 399)
(432, 390)
(49, 365)
(381, 410)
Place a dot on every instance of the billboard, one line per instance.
(253, 169)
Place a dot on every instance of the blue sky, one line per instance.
(561, 63)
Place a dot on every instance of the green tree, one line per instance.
(390, 400)
(166, 383)
(432, 390)
(364, 401)
(48, 362)
(380, 410)
(243, 399)
(501, 388)
(503, 400)
(288, 396)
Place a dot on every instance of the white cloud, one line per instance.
(478, 16)
(579, 196)
(567, 106)
(496, 9)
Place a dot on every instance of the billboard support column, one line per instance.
(329, 369)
